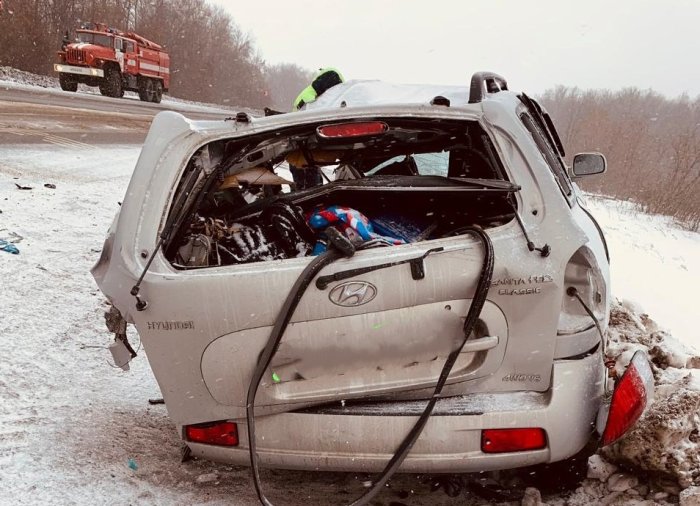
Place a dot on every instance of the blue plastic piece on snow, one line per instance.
(132, 464)
(9, 247)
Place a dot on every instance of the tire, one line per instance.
(146, 89)
(67, 83)
(112, 84)
(158, 92)
(562, 476)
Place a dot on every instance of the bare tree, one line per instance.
(212, 59)
(284, 82)
(652, 145)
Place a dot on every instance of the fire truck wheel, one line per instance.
(158, 93)
(146, 90)
(67, 84)
(112, 84)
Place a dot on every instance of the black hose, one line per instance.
(285, 315)
(475, 308)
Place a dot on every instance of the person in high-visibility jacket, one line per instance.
(324, 80)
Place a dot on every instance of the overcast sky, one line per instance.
(535, 44)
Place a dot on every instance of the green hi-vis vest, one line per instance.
(325, 79)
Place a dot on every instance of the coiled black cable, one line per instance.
(281, 323)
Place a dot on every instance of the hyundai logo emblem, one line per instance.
(353, 293)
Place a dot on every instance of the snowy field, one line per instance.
(654, 264)
(74, 430)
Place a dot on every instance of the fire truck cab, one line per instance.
(114, 61)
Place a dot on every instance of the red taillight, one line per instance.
(629, 399)
(512, 440)
(215, 433)
(344, 130)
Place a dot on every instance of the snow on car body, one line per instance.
(367, 341)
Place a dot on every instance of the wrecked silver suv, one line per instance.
(398, 277)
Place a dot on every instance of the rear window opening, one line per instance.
(381, 183)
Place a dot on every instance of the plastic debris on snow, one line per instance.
(207, 477)
(8, 247)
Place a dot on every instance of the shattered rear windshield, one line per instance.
(380, 183)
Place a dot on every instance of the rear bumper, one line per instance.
(83, 71)
(451, 441)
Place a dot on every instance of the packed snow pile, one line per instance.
(667, 440)
(21, 77)
(658, 462)
(12, 77)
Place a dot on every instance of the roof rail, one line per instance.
(484, 83)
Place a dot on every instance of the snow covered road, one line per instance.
(70, 426)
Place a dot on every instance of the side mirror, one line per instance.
(587, 164)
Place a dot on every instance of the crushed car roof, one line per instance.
(362, 93)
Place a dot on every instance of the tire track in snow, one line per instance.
(47, 137)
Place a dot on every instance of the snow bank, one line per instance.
(13, 78)
(667, 440)
(12, 75)
(658, 462)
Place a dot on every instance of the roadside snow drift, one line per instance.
(667, 439)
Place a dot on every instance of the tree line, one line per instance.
(211, 58)
(652, 144)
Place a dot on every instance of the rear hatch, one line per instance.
(249, 212)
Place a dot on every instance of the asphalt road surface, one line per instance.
(48, 115)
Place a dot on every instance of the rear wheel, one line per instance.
(111, 85)
(560, 476)
(146, 89)
(158, 92)
(67, 83)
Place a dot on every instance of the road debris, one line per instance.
(8, 247)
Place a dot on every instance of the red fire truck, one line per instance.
(115, 61)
